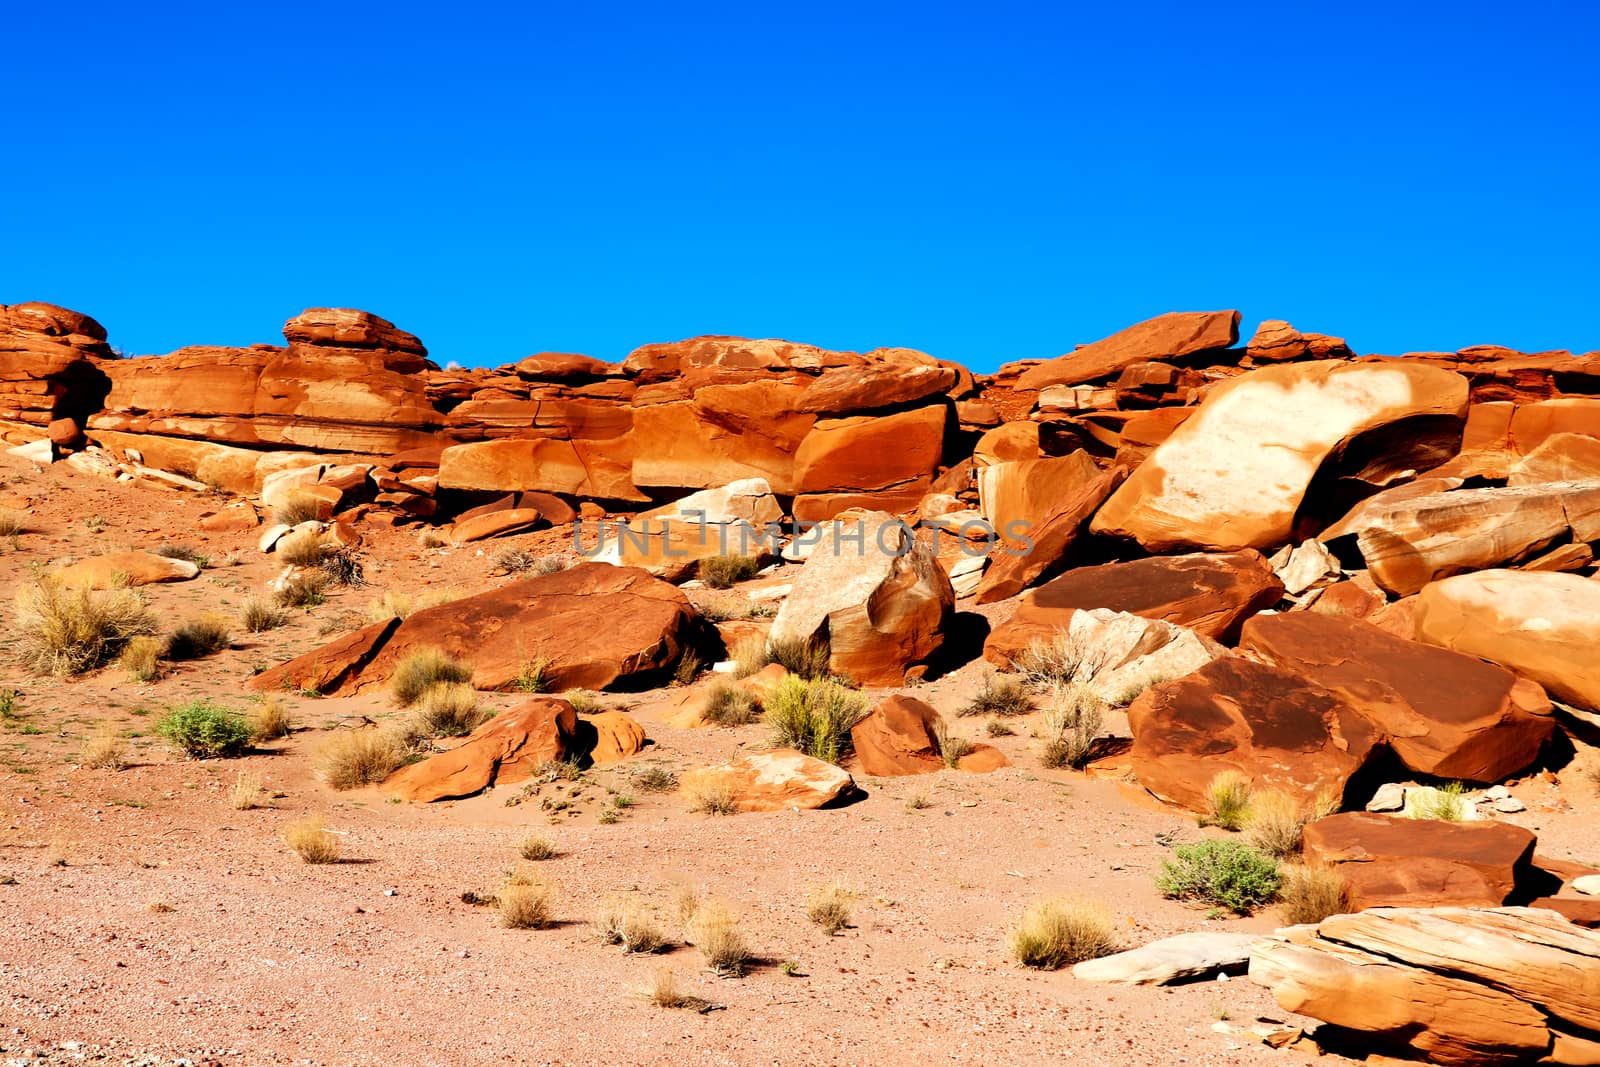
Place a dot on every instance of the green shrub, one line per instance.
(1229, 874)
(1446, 803)
(720, 572)
(205, 731)
(422, 669)
(814, 717)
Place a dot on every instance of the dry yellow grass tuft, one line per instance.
(749, 655)
(394, 604)
(104, 751)
(829, 907)
(714, 931)
(447, 709)
(526, 903)
(728, 705)
(257, 615)
(537, 847)
(663, 991)
(62, 630)
(631, 926)
(1274, 822)
(159, 907)
(1228, 801)
(247, 792)
(58, 851)
(269, 720)
(1054, 933)
(304, 590)
(141, 658)
(198, 638)
(354, 758)
(302, 548)
(424, 668)
(711, 798)
(311, 841)
(1310, 894)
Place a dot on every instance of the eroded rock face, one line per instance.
(1446, 715)
(1393, 861)
(48, 363)
(1210, 594)
(1044, 546)
(1175, 334)
(878, 598)
(1561, 457)
(1265, 723)
(1539, 624)
(648, 624)
(1276, 341)
(884, 463)
(1460, 986)
(506, 749)
(772, 781)
(1236, 472)
(1412, 541)
(898, 737)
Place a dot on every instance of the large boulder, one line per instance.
(1469, 987)
(124, 568)
(506, 749)
(1236, 473)
(1392, 861)
(875, 386)
(874, 594)
(1276, 341)
(1043, 546)
(49, 363)
(577, 467)
(1412, 541)
(724, 433)
(900, 736)
(1210, 594)
(1261, 722)
(1446, 715)
(1124, 653)
(884, 462)
(1540, 624)
(1561, 457)
(1200, 954)
(771, 781)
(1168, 336)
(648, 625)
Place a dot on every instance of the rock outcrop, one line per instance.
(1467, 987)
(770, 781)
(1388, 860)
(506, 749)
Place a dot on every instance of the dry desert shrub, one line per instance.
(141, 658)
(104, 751)
(203, 730)
(631, 926)
(583, 701)
(257, 615)
(12, 523)
(424, 668)
(394, 604)
(269, 720)
(305, 589)
(446, 709)
(354, 758)
(722, 572)
(298, 508)
(714, 931)
(533, 676)
(537, 847)
(1310, 894)
(1058, 660)
(198, 638)
(952, 746)
(1054, 933)
(526, 903)
(1274, 821)
(311, 841)
(688, 668)
(247, 792)
(829, 907)
(1445, 803)
(187, 552)
(653, 779)
(58, 852)
(1000, 695)
(663, 992)
(158, 907)
(728, 705)
(801, 657)
(814, 717)
(302, 548)
(1070, 725)
(749, 655)
(711, 797)
(1227, 801)
(61, 631)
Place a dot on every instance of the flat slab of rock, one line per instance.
(1172, 959)
(1235, 474)
(506, 749)
(1210, 594)
(772, 781)
(1263, 722)
(1175, 334)
(494, 524)
(1462, 986)
(125, 568)
(557, 618)
(1392, 861)
(1446, 714)
(1128, 653)
(1540, 624)
(1411, 542)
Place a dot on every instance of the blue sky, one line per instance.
(983, 182)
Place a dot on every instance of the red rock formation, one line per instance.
(1389, 861)
(1175, 334)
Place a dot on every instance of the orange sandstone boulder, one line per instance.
(1175, 334)
(616, 736)
(779, 780)
(1393, 861)
(898, 737)
(506, 749)
(1276, 341)
(124, 568)
(1038, 526)
(886, 462)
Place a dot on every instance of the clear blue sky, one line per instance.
(984, 182)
